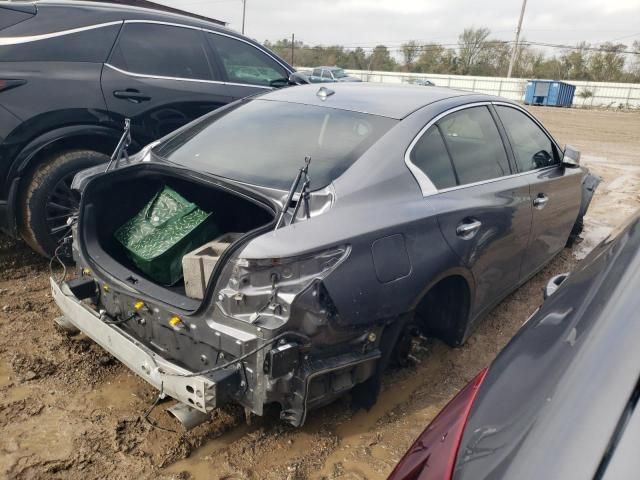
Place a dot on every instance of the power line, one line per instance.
(438, 46)
(585, 47)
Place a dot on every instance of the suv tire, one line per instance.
(48, 200)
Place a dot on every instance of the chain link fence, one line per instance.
(588, 94)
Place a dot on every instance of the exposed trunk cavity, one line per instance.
(111, 200)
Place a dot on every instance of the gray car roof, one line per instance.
(387, 100)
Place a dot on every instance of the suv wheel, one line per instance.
(48, 200)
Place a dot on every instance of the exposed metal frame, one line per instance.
(427, 186)
(197, 392)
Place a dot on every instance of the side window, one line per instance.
(244, 63)
(430, 155)
(475, 145)
(92, 46)
(532, 147)
(316, 72)
(326, 74)
(161, 50)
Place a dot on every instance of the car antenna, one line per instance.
(304, 193)
(121, 149)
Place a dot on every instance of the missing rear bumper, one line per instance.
(288, 374)
(202, 393)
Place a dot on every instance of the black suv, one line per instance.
(71, 72)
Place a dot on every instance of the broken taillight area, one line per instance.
(262, 291)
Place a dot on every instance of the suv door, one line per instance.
(484, 212)
(247, 69)
(556, 191)
(160, 76)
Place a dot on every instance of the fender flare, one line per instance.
(459, 331)
(35, 146)
(457, 271)
(25, 157)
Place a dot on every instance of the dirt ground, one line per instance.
(69, 410)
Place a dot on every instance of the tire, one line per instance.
(47, 201)
(365, 394)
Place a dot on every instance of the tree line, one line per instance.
(477, 53)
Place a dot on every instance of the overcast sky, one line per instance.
(370, 22)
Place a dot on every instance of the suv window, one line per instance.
(244, 63)
(91, 46)
(532, 147)
(161, 50)
(475, 145)
(430, 155)
(316, 72)
(326, 74)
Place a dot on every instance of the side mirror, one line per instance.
(553, 285)
(297, 78)
(571, 156)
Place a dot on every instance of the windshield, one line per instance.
(263, 142)
(339, 73)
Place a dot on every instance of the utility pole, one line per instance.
(244, 11)
(514, 54)
(293, 42)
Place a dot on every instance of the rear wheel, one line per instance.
(48, 201)
(395, 346)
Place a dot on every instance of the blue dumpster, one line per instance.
(549, 92)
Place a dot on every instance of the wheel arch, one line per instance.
(443, 309)
(102, 139)
(95, 137)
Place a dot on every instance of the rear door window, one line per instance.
(244, 63)
(88, 46)
(162, 50)
(475, 145)
(430, 155)
(532, 147)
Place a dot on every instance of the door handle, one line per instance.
(540, 201)
(467, 229)
(132, 95)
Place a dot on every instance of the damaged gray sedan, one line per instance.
(331, 226)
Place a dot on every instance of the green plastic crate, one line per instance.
(165, 230)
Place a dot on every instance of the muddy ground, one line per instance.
(68, 410)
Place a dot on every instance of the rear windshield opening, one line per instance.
(264, 143)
